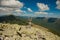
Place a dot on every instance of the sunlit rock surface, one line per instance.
(21, 32)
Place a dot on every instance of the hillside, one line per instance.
(20, 32)
(53, 24)
(13, 20)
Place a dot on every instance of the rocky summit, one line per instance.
(25, 32)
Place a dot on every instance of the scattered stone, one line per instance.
(19, 28)
(20, 32)
(1, 30)
(1, 38)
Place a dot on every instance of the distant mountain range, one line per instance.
(51, 23)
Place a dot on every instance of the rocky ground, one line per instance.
(23, 32)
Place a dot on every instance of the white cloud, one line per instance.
(11, 3)
(39, 13)
(42, 6)
(29, 10)
(5, 10)
(10, 6)
(58, 4)
(18, 11)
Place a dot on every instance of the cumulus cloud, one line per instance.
(10, 6)
(18, 11)
(29, 10)
(38, 13)
(11, 3)
(58, 4)
(3, 10)
(42, 6)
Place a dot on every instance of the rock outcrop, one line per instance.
(23, 32)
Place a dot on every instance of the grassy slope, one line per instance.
(54, 26)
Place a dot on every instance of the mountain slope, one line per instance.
(51, 23)
(20, 32)
(13, 20)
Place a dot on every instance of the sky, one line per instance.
(33, 8)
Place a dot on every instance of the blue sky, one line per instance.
(32, 4)
(33, 8)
